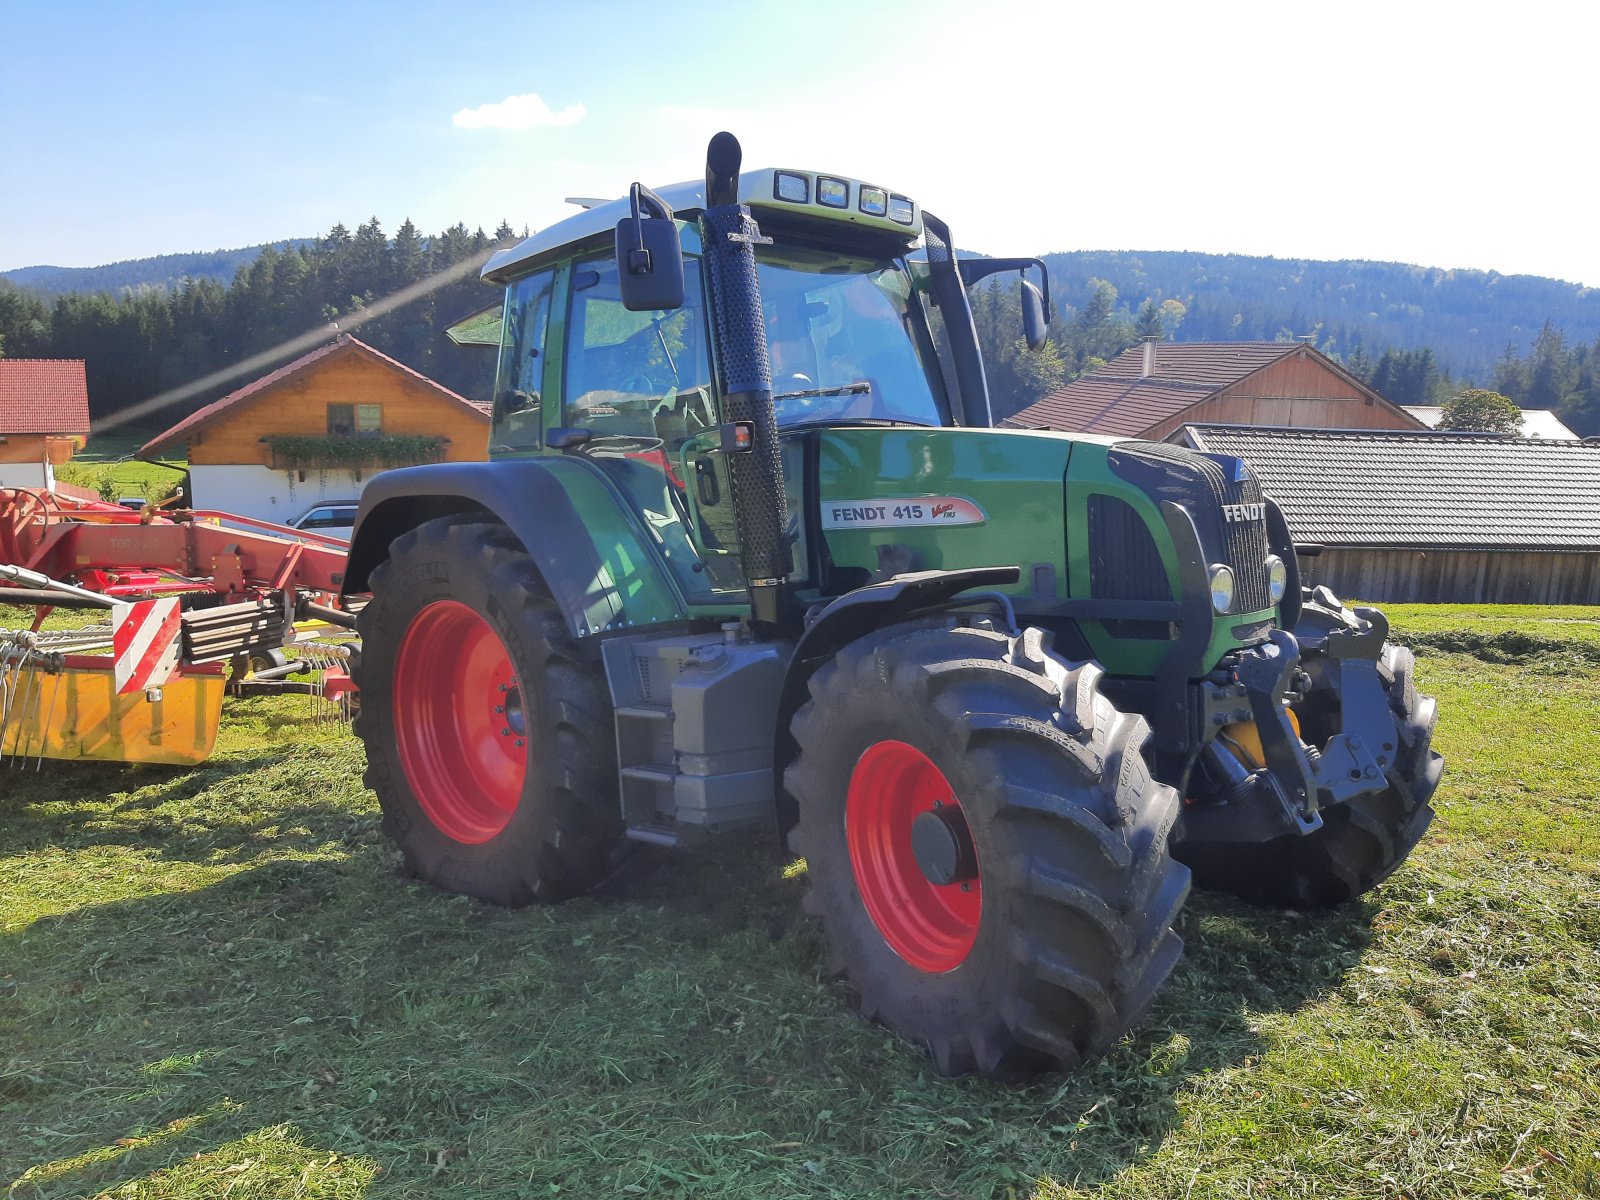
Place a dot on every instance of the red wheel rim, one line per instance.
(459, 722)
(932, 926)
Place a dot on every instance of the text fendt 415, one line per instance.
(748, 551)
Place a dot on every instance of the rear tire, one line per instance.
(1362, 841)
(489, 743)
(1066, 933)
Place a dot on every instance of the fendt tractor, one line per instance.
(749, 551)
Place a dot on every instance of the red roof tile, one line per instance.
(253, 391)
(1119, 400)
(1215, 363)
(43, 395)
(1112, 407)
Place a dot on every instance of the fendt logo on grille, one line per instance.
(1244, 512)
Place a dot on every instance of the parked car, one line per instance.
(336, 519)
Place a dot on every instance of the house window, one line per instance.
(354, 420)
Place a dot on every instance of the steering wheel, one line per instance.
(639, 384)
(624, 443)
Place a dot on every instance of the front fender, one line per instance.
(590, 547)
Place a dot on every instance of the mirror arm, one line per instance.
(975, 269)
(644, 203)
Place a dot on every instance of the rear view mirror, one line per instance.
(649, 257)
(1034, 327)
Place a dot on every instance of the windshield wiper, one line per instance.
(849, 389)
(839, 422)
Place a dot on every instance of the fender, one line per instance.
(853, 615)
(598, 562)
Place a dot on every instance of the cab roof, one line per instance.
(770, 188)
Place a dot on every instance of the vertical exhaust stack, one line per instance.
(750, 434)
(1148, 367)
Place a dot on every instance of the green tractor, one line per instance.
(748, 551)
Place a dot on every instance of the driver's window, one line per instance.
(643, 376)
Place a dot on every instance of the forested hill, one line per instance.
(155, 326)
(162, 271)
(1467, 318)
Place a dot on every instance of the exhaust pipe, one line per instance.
(750, 433)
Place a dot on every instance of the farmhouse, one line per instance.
(316, 429)
(1536, 422)
(44, 418)
(1154, 389)
(1431, 517)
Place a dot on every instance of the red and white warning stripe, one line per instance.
(144, 638)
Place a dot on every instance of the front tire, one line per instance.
(985, 847)
(488, 741)
(1362, 841)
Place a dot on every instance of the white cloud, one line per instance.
(527, 111)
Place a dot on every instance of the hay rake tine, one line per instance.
(49, 719)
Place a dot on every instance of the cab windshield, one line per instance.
(846, 340)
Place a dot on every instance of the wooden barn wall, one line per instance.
(1456, 576)
(32, 447)
(300, 406)
(1297, 392)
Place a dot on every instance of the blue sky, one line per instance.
(1403, 131)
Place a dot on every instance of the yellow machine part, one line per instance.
(1244, 739)
(77, 714)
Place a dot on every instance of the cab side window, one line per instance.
(519, 380)
(635, 374)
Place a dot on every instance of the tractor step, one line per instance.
(656, 835)
(694, 721)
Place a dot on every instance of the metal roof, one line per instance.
(1423, 490)
(43, 395)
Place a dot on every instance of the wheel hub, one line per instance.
(942, 845)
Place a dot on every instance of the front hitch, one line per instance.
(1288, 794)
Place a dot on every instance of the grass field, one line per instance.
(216, 983)
(110, 457)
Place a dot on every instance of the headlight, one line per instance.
(1221, 588)
(1277, 578)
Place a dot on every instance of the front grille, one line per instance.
(1124, 563)
(1202, 486)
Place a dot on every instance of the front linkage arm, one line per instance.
(1298, 781)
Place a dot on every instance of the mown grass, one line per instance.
(216, 982)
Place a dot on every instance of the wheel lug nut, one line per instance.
(499, 708)
(506, 732)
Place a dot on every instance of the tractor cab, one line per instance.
(854, 285)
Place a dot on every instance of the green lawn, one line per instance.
(215, 983)
(110, 457)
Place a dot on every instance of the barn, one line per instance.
(317, 429)
(1430, 517)
(44, 418)
(1156, 388)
